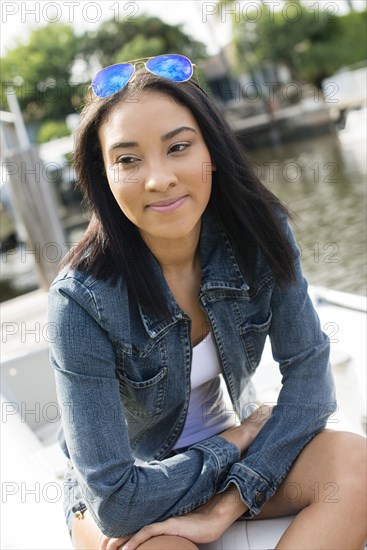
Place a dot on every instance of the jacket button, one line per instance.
(259, 498)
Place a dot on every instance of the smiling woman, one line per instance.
(164, 306)
(159, 174)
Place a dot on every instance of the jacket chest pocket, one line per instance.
(253, 338)
(143, 382)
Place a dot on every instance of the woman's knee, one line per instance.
(334, 450)
(353, 458)
(167, 542)
(330, 468)
(345, 454)
(340, 459)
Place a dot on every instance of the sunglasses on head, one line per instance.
(112, 79)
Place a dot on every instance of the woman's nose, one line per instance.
(160, 178)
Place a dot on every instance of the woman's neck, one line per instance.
(177, 257)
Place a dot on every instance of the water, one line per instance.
(323, 181)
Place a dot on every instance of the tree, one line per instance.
(346, 46)
(51, 71)
(52, 129)
(118, 41)
(311, 42)
(40, 71)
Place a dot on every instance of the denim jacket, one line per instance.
(123, 383)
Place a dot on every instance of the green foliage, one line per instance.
(346, 46)
(52, 129)
(118, 41)
(43, 71)
(40, 72)
(311, 42)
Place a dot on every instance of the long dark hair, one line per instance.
(245, 208)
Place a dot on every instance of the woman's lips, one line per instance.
(168, 205)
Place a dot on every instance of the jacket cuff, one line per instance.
(224, 453)
(254, 490)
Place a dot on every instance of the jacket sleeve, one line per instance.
(306, 399)
(121, 493)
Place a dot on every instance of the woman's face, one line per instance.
(157, 165)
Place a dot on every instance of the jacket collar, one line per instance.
(219, 267)
(219, 272)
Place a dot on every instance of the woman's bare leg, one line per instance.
(167, 542)
(85, 533)
(326, 487)
(86, 536)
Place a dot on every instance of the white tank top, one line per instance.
(210, 409)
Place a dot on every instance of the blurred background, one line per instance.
(290, 77)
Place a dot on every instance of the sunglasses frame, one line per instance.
(143, 61)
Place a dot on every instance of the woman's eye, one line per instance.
(178, 147)
(126, 161)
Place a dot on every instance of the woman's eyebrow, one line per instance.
(169, 135)
(122, 144)
(174, 133)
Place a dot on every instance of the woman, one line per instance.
(187, 265)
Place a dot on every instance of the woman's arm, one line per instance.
(306, 400)
(205, 524)
(244, 435)
(208, 522)
(121, 494)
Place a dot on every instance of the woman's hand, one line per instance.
(208, 522)
(205, 524)
(107, 543)
(243, 435)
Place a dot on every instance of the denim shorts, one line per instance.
(73, 497)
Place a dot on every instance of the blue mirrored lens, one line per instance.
(172, 66)
(112, 79)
